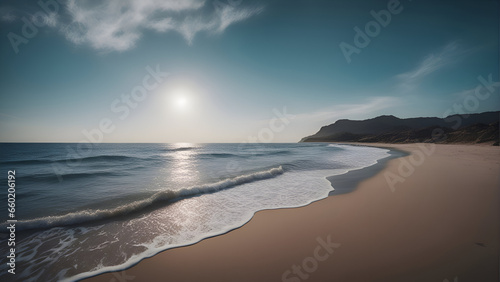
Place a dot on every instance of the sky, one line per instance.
(204, 71)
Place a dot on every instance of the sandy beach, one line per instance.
(430, 216)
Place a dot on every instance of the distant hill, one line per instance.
(473, 128)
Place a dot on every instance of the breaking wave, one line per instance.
(162, 196)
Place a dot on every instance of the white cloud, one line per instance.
(305, 124)
(117, 25)
(367, 108)
(229, 15)
(430, 64)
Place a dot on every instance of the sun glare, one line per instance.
(181, 98)
(181, 102)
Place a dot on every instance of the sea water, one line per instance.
(81, 211)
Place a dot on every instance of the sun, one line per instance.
(180, 98)
(181, 102)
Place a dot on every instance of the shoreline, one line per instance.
(346, 182)
(269, 228)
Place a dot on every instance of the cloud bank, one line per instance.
(117, 25)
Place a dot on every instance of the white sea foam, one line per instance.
(161, 196)
(62, 252)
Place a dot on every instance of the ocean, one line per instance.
(85, 210)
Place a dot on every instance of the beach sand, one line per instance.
(440, 224)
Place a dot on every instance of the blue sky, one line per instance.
(234, 64)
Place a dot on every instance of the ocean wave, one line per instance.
(217, 155)
(271, 153)
(178, 149)
(66, 176)
(304, 164)
(105, 158)
(242, 155)
(22, 162)
(339, 146)
(75, 160)
(162, 196)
